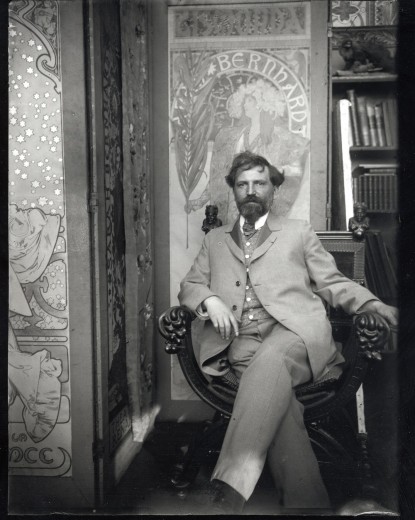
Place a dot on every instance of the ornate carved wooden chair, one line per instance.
(336, 399)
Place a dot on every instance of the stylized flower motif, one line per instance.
(42, 201)
(345, 10)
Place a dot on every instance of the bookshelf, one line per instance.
(364, 141)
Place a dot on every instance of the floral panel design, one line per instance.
(266, 20)
(119, 417)
(38, 338)
(354, 13)
(137, 214)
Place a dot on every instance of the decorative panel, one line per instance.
(357, 13)
(119, 416)
(137, 213)
(239, 80)
(38, 339)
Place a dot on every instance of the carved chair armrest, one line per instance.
(372, 333)
(368, 335)
(174, 324)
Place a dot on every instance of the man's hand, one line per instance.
(221, 316)
(389, 313)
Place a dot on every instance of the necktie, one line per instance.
(248, 229)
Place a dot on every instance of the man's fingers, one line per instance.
(228, 328)
(234, 324)
(223, 326)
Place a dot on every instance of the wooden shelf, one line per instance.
(375, 77)
(376, 149)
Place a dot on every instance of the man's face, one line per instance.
(253, 192)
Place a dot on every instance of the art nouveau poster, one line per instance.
(239, 80)
(38, 337)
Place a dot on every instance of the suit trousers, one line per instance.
(267, 419)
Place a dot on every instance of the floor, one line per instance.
(145, 489)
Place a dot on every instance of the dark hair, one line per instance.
(247, 160)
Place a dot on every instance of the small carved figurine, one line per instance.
(366, 56)
(359, 223)
(211, 221)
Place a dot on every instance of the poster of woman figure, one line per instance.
(259, 123)
(32, 378)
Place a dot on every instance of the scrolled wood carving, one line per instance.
(174, 324)
(372, 333)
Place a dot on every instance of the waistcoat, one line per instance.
(252, 309)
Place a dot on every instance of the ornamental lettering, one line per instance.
(273, 70)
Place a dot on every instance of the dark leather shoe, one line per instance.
(226, 500)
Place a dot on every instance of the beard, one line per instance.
(252, 207)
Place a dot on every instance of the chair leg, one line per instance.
(366, 503)
(203, 445)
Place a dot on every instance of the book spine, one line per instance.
(376, 192)
(393, 114)
(394, 193)
(372, 125)
(371, 205)
(382, 180)
(351, 136)
(360, 197)
(380, 124)
(386, 119)
(351, 96)
(365, 191)
(390, 194)
(356, 189)
(363, 120)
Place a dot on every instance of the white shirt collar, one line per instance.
(258, 224)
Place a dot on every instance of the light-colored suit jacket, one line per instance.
(291, 273)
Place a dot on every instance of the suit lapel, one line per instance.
(268, 236)
(232, 239)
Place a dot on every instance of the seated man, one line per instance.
(260, 284)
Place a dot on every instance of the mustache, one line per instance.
(251, 198)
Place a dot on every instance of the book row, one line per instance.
(372, 123)
(378, 190)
